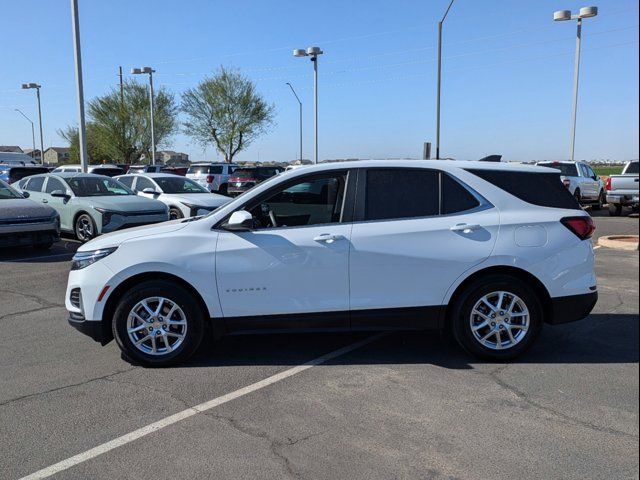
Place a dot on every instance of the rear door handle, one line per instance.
(465, 227)
(45, 200)
(327, 238)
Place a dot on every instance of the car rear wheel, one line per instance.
(223, 190)
(578, 196)
(602, 199)
(615, 209)
(496, 318)
(158, 323)
(85, 228)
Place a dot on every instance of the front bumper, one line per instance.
(26, 235)
(119, 221)
(97, 330)
(572, 308)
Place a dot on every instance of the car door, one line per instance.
(291, 274)
(415, 232)
(587, 184)
(595, 181)
(34, 187)
(61, 205)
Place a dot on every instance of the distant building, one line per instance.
(10, 149)
(169, 157)
(35, 154)
(55, 155)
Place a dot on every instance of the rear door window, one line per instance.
(34, 184)
(215, 170)
(542, 189)
(396, 193)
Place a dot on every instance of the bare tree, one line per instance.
(227, 111)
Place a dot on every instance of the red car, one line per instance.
(243, 179)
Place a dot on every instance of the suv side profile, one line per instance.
(212, 176)
(582, 182)
(486, 251)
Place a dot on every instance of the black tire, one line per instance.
(224, 189)
(461, 311)
(602, 199)
(194, 318)
(84, 227)
(615, 209)
(578, 196)
(175, 213)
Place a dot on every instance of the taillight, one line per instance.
(608, 184)
(583, 227)
(567, 183)
(209, 178)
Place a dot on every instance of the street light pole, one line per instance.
(28, 86)
(82, 130)
(439, 88)
(150, 71)
(300, 108)
(561, 16)
(313, 52)
(33, 134)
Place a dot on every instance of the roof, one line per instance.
(151, 175)
(58, 149)
(67, 175)
(10, 148)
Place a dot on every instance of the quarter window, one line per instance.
(401, 193)
(314, 201)
(455, 197)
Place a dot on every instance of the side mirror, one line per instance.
(150, 191)
(25, 194)
(240, 221)
(59, 194)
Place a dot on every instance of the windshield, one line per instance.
(7, 193)
(179, 185)
(566, 169)
(97, 187)
(245, 172)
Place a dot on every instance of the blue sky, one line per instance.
(507, 81)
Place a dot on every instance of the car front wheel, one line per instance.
(158, 323)
(496, 318)
(85, 228)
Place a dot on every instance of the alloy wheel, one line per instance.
(84, 228)
(156, 326)
(499, 320)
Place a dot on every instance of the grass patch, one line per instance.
(606, 171)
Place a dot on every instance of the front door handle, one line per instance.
(465, 227)
(44, 200)
(327, 238)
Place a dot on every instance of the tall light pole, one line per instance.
(82, 130)
(440, 79)
(150, 71)
(561, 16)
(300, 105)
(27, 86)
(313, 52)
(33, 135)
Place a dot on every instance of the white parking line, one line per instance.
(597, 247)
(189, 412)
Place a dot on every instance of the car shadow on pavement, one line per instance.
(61, 251)
(602, 338)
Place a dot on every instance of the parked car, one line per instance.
(145, 168)
(183, 196)
(212, 176)
(245, 178)
(108, 170)
(91, 204)
(15, 158)
(367, 245)
(622, 190)
(583, 183)
(24, 222)
(11, 173)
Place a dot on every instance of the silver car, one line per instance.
(583, 183)
(24, 222)
(91, 204)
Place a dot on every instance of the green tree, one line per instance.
(119, 126)
(96, 153)
(225, 110)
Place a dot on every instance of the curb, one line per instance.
(620, 242)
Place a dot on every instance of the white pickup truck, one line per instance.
(622, 190)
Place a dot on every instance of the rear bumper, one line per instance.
(572, 308)
(624, 200)
(94, 329)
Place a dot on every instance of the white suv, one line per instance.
(212, 176)
(486, 251)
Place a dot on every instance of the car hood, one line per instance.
(119, 237)
(198, 199)
(124, 203)
(23, 208)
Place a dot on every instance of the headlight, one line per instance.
(83, 259)
(106, 215)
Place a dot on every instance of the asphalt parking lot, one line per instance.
(399, 406)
